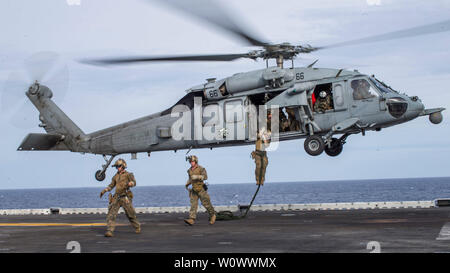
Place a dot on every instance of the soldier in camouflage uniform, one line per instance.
(260, 156)
(284, 122)
(197, 174)
(323, 103)
(122, 181)
(294, 125)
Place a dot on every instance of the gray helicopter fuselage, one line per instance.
(293, 88)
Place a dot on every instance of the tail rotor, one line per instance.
(44, 67)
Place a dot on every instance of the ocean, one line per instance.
(408, 189)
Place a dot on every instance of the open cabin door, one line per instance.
(295, 100)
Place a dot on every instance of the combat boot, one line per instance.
(108, 234)
(138, 230)
(212, 220)
(189, 221)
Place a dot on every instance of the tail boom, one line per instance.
(62, 132)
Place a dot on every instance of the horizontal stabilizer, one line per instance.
(41, 142)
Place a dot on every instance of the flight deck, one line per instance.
(318, 228)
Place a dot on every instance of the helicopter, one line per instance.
(230, 111)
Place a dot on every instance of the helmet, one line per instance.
(323, 94)
(120, 162)
(365, 84)
(192, 158)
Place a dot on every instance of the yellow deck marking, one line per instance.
(52, 224)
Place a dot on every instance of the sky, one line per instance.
(99, 97)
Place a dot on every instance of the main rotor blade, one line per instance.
(130, 60)
(411, 32)
(211, 12)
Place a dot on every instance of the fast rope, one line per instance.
(228, 215)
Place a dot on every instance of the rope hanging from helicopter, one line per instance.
(228, 215)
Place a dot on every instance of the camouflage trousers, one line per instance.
(206, 202)
(261, 162)
(294, 125)
(113, 210)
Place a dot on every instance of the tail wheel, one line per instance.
(335, 148)
(314, 145)
(100, 175)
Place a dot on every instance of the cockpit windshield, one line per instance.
(382, 86)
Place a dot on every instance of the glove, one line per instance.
(103, 192)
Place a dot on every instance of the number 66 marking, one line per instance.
(374, 246)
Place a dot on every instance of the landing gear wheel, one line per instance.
(335, 148)
(100, 175)
(314, 145)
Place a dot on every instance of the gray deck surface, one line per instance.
(396, 230)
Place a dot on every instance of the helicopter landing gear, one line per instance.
(100, 175)
(334, 148)
(314, 145)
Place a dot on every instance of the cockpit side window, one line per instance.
(362, 90)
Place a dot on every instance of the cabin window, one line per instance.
(362, 90)
(323, 98)
(338, 95)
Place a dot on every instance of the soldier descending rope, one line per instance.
(260, 154)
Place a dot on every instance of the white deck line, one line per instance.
(268, 207)
(445, 232)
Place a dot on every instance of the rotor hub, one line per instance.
(34, 88)
(214, 14)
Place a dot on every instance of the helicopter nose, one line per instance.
(416, 105)
(415, 108)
